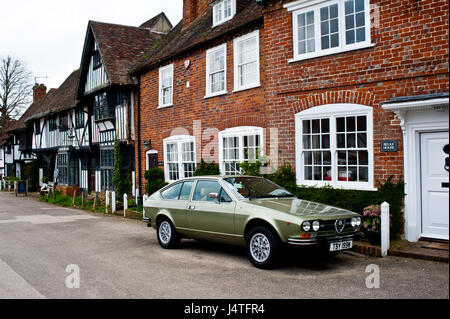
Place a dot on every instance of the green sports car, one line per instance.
(248, 211)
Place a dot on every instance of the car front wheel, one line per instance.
(263, 247)
(167, 235)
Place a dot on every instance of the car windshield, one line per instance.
(255, 187)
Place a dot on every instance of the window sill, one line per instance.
(164, 106)
(216, 94)
(321, 54)
(352, 186)
(247, 88)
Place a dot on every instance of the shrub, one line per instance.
(119, 180)
(204, 169)
(154, 180)
(250, 168)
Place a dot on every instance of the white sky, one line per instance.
(48, 35)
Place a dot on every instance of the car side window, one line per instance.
(204, 188)
(186, 190)
(224, 198)
(172, 192)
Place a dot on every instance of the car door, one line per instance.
(175, 200)
(210, 213)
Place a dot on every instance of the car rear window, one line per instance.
(172, 192)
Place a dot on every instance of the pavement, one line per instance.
(53, 252)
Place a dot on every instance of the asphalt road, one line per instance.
(121, 258)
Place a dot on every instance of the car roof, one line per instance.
(217, 177)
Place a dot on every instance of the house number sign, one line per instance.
(389, 146)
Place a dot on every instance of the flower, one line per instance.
(371, 218)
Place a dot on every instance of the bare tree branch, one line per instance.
(15, 89)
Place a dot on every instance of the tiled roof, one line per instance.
(57, 100)
(199, 32)
(120, 47)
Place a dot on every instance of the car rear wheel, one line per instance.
(167, 235)
(263, 247)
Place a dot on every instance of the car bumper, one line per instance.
(324, 240)
(147, 221)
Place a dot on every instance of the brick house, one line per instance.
(201, 91)
(349, 92)
(359, 92)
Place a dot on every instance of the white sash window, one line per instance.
(334, 146)
(179, 157)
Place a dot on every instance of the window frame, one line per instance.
(333, 111)
(179, 140)
(236, 41)
(223, 20)
(240, 132)
(209, 52)
(160, 88)
(301, 7)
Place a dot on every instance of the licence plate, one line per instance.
(341, 245)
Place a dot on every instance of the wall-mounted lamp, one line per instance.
(148, 144)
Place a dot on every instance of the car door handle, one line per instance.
(191, 207)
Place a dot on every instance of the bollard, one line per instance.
(74, 200)
(107, 201)
(113, 202)
(95, 202)
(125, 205)
(136, 193)
(385, 225)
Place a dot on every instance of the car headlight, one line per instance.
(356, 221)
(316, 225)
(306, 226)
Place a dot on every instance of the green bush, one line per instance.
(250, 168)
(204, 169)
(119, 180)
(154, 180)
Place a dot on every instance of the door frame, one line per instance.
(416, 117)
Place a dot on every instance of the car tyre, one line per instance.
(168, 236)
(263, 247)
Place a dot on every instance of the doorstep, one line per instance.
(427, 250)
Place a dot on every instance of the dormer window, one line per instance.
(223, 10)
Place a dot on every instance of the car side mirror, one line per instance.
(213, 195)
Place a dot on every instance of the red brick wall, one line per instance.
(244, 108)
(409, 57)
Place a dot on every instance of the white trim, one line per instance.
(178, 139)
(240, 132)
(332, 111)
(421, 104)
(301, 7)
(223, 20)
(208, 83)
(415, 119)
(257, 83)
(161, 70)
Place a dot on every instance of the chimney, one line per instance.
(193, 9)
(39, 91)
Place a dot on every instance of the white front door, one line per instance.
(434, 185)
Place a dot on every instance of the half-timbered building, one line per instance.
(107, 91)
